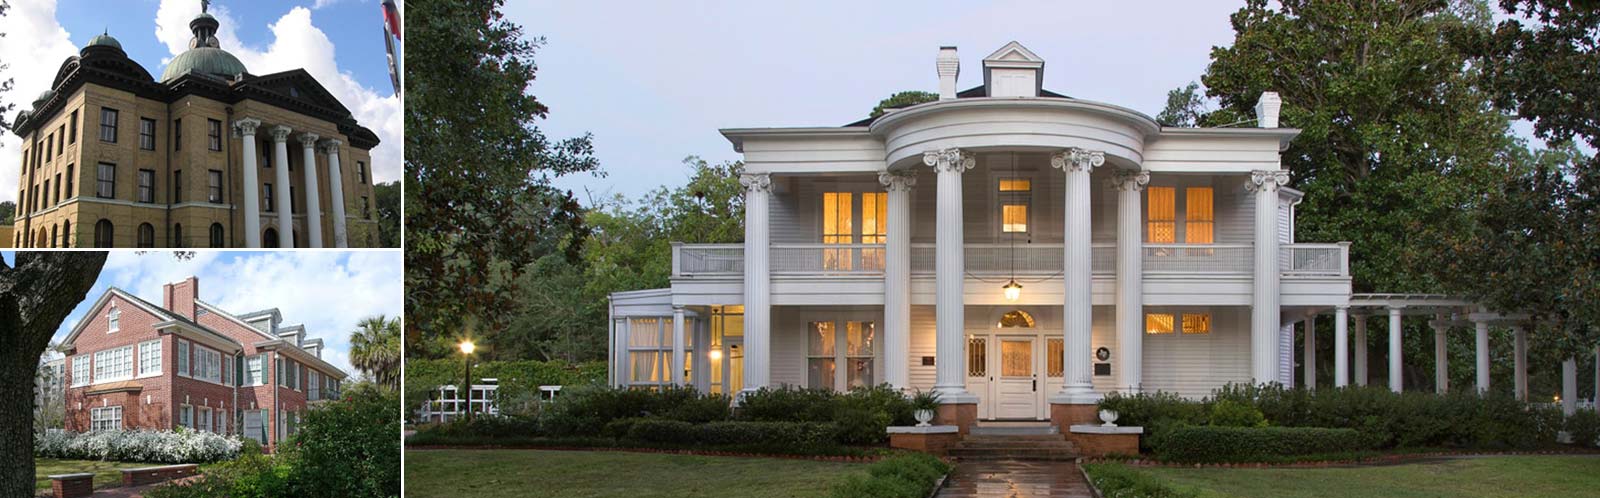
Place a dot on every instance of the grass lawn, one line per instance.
(105, 473)
(1521, 476)
(497, 473)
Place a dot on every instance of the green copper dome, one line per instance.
(207, 60)
(43, 97)
(104, 39)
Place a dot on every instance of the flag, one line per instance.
(391, 32)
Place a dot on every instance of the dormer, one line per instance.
(1013, 71)
(313, 346)
(293, 334)
(266, 320)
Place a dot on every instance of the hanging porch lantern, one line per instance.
(1013, 290)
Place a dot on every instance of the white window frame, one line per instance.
(80, 371)
(150, 358)
(315, 383)
(111, 365)
(105, 418)
(203, 419)
(185, 360)
(841, 357)
(186, 416)
(113, 319)
(207, 364)
(255, 370)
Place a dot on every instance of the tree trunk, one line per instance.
(35, 296)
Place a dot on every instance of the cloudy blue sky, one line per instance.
(327, 291)
(339, 42)
(654, 81)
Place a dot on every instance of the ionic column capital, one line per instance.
(952, 159)
(1130, 180)
(247, 126)
(1267, 180)
(897, 181)
(1077, 159)
(280, 133)
(331, 146)
(309, 140)
(756, 182)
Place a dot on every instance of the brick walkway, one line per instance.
(1015, 479)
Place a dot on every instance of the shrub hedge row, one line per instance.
(519, 380)
(179, 446)
(910, 475)
(1248, 444)
(799, 436)
(1118, 480)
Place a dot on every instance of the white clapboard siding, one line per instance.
(788, 347)
(1195, 365)
(922, 344)
(1286, 355)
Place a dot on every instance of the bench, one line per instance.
(151, 475)
(72, 485)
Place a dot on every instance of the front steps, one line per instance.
(1014, 441)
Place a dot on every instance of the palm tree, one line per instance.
(375, 350)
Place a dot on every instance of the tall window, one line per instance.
(183, 358)
(177, 134)
(147, 134)
(203, 419)
(214, 193)
(314, 383)
(207, 364)
(105, 418)
(61, 140)
(649, 351)
(113, 364)
(147, 235)
(824, 354)
(821, 350)
(1199, 221)
(269, 238)
(186, 416)
(102, 233)
(292, 198)
(108, 125)
(214, 133)
(1015, 196)
(66, 234)
(1161, 215)
(49, 147)
(252, 370)
(107, 188)
(838, 227)
(217, 239)
(70, 179)
(150, 358)
(874, 228)
(361, 172)
(72, 137)
(147, 185)
(267, 198)
(113, 320)
(177, 186)
(80, 371)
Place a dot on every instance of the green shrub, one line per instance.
(911, 475)
(347, 448)
(1206, 444)
(787, 404)
(1115, 479)
(707, 408)
(656, 430)
(802, 436)
(249, 476)
(1228, 413)
(1584, 427)
(585, 411)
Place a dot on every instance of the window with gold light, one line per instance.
(838, 215)
(1055, 348)
(1199, 221)
(874, 228)
(1196, 323)
(1015, 196)
(1158, 323)
(1161, 215)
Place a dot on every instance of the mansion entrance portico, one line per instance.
(310, 145)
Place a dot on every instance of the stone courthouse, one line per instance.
(209, 155)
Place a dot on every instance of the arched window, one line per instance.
(1016, 319)
(54, 234)
(66, 233)
(42, 241)
(177, 235)
(217, 239)
(102, 233)
(147, 235)
(269, 238)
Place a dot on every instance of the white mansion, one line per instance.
(1020, 251)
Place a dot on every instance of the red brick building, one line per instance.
(134, 365)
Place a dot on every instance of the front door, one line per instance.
(1016, 389)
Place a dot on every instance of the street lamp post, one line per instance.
(466, 359)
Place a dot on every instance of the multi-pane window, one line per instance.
(203, 419)
(72, 137)
(150, 358)
(147, 235)
(1055, 357)
(1158, 323)
(1015, 196)
(183, 358)
(1196, 323)
(821, 350)
(214, 134)
(1199, 221)
(874, 228)
(103, 234)
(1161, 215)
(105, 418)
(828, 346)
(107, 181)
(147, 186)
(69, 180)
(267, 198)
(186, 416)
(214, 186)
(49, 147)
(361, 172)
(147, 134)
(649, 351)
(252, 370)
(838, 227)
(217, 238)
(108, 125)
(977, 354)
(113, 320)
(314, 381)
(80, 371)
(61, 139)
(207, 364)
(113, 364)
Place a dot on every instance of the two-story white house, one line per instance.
(1018, 250)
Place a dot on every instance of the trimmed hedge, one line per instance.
(910, 475)
(796, 435)
(1212, 444)
(1115, 479)
(585, 411)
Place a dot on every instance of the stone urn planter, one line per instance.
(923, 417)
(1109, 417)
(924, 404)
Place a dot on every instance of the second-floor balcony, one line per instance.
(1319, 260)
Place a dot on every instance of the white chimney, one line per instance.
(949, 68)
(1267, 110)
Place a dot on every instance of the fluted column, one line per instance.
(1395, 380)
(1482, 349)
(308, 144)
(246, 129)
(280, 163)
(677, 346)
(1130, 278)
(1077, 311)
(1519, 361)
(336, 187)
(1341, 346)
(897, 280)
(1264, 312)
(1359, 356)
(949, 275)
(757, 282)
(1441, 357)
(1309, 370)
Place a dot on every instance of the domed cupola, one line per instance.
(104, 40)
(205, 55)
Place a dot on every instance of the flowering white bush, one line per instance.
(180, 446)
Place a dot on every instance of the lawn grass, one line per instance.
(1520, 476)
(571, 474)
(105, 473)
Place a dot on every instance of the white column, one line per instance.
(757, 281)
(897, 280)
(1130, 278)
(280, 163)
(246, 129)
(1441, 357)
(308, 143)
(1596, 398)
(1264, 313)
(1359, 357)
(1395, 379)
(1077, 315)
(336, 187)
(677, 345)
(1569, 386)
(1309, 369)
(1341, 346)
(1482, 354)
(949, 276)
(1519, 362)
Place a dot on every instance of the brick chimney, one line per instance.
(178, 297)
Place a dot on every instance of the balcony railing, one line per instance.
(1295, 260)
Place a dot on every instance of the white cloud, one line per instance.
(298, 44)
(33, 48)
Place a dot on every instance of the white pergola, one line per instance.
(1447, 312)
